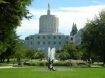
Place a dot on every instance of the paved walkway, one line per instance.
(11, 66)
(96, 66)
(6, 67)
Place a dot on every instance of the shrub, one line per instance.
(59, 63)
(42, 63)
(69, 64)
(63, 63)
(37, 63)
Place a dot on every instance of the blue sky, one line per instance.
(68, 12)
(65, 3)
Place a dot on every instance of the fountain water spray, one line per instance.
(51, 58)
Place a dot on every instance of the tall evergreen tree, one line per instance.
(74, 30)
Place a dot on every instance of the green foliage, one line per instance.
(9, 48)
(70, 49)
(59, 63)
(61, 55)
(2, 47)
(11, 14)
(6, 40)
(81, 62)
(38, 63)
(34, 54)
(30, 53)
(94, 36)
(63, 63)
(79, 52)
(20, 51)
(41, 55)
(27, 38)
(14, 11)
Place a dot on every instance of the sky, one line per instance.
(68, 12)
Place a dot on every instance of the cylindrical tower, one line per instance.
(48, 23)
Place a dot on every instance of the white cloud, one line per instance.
(67, 16)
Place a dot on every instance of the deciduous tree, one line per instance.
(11, 14)
(94, 36)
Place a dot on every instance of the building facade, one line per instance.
(49, 35)
(78, 38)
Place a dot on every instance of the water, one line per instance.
(51, 53)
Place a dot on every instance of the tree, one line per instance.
(20, 51)
(74, 30)
(70, 49)
(79, 52)
(41, 55)
(62, 54)
(12, 40)
(11, 14)
(94, 36)
(30, 53)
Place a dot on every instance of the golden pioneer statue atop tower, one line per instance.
(48, 6)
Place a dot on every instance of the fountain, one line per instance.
(51, 58)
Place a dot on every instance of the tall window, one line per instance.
(38, 43)
(54, 42)
(59, 42)
(59, 37)
(38, 37)
(54, 37)
(71, 38)
(48, 37)
(44, 43)
(48, 42)
(67, 37)
(31, 43)
(31, 37)
(43, 37)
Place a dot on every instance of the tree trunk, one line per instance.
(2, 59)
(18, 59)
(7, 60)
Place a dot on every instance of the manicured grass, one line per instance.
(43, 72)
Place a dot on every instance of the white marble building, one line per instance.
(78, 38)
(48, 23)
(49, 35)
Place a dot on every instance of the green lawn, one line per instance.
(43, 72)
